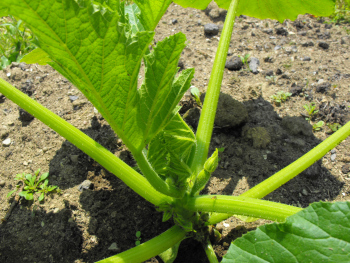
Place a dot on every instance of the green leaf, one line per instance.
(152, 12)
(169, 255)
(43, 177)
(41, 197)
(319, 233)
(36, 56)
(160, 93)
(273, 9)
(23, 193)
(90, 43)
(134, 13)
(10, 193)
(169, 151)
(3, 12)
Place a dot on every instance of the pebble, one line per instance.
(333, 156)
(346, 168)
(211, 29)
(281, 31)
(306, 58)
(254, 64)
(234, 63)
(87, 184)
(114, 247)
(2, 183)
(323, 45)
(6, 142)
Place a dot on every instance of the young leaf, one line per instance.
(10, 193)
(172, 145)
(319, 233)
(160, 93)
(43, 177)
(134, 13)
(273, 9)
(41, 197)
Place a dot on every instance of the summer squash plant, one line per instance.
(99, 46)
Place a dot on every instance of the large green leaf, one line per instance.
(160, 93)
(319, 233)
(273, 9)
(152, 12)
(91, 44)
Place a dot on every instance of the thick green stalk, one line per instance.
(154, 178)
(109, 161)
(210, 252)
(206, 121)
(239, 205)
(292, 170)
(150, 248)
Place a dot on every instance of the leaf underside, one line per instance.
(99, 46)
(273, 9)
(319, 233)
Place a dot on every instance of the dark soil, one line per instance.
(307, 57)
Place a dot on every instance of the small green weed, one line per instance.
(280, 96)
(334, 126)
(271, 79)
(32, 184)
(311, 110)
(317, 126)
(16, 40)
(342, 12)
(287, 66)
(245, 59)
(138, 238)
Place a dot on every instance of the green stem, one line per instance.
(96, 151)
(206, 121)
(292, 170)
(210, 252)
(239, 205)
(150, 248)
(158, 183)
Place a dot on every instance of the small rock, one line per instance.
(323, 87)
(87, 184)
(268, 31)
(304, 192)
(279, 71)
(214, 13)
(2, 183)
(78, 103)
(302, 33)
(333, 156)
(281, 31)
(254, 64)
(25, 116)
(323, 45)
(306, 58)
(234, 63)
(296, 90)
(73, 98)
(345, 168)
(6, 142)
(211, 29)
(174, 21)
(74, 158)
(114, 247)
(277, 47)
(268, 73)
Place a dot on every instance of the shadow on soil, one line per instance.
(256, 149)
